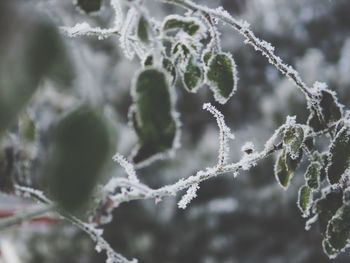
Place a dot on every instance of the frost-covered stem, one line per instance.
(94, 233)
(25, 216)
(183, 184)
(243, 28)
(225, 134)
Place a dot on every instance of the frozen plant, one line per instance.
(187, 47)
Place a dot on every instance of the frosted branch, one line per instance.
(94, 233)
(225, 134)
(243, 28)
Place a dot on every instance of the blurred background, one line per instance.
(247, 219)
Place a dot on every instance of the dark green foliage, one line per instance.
(148, 61)
(190, 26)
(284, 168)
(27, 129)
(151, 114)
(313, 174)
(89, 6)
(338, 230)
(329, 109)
(339, 156)
(78, 149)
(326, 208)
(40, 53)
(293, 139)
(6, 169)
(192, 76)
(305, 199)
(142, 30)
(221, 75)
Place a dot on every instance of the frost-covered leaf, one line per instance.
(338, 230)
(326, 208)
(89, 6)
(207, 56)
(222, 76)
(284, 169)
(142, 30)
(182, 49)
(152, 115)
(305, 200)
(293, 139)
(78, 148)
(313, 175)
(339, 155)
(192, 76)
(328, 249)
(329, 109)
(190, 25)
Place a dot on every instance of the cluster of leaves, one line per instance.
(186, 52)
(324, 196)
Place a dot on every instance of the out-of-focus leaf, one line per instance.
(222, 77)
(30, 54)
(6, 169)
(89, 6)
(339, 155)
(27, 129)
(142, 30)
(78, 149)
(152, 115)
(305, 200)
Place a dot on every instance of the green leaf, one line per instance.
(338, 230)
(142, 30)
(89, 6)
(339, 155)
(284, 169)
(181, 50)
(27, 129)
(293, 139)
(313, 175)
(40, 53)
(221, 76)
(207, 56)
(326, 208)
(148, 61)
(305, 200)
(192, 76)
(78, 148)
(329, 109)
(329, 250)
(189, 25)
(6, 169)
(152, 115)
